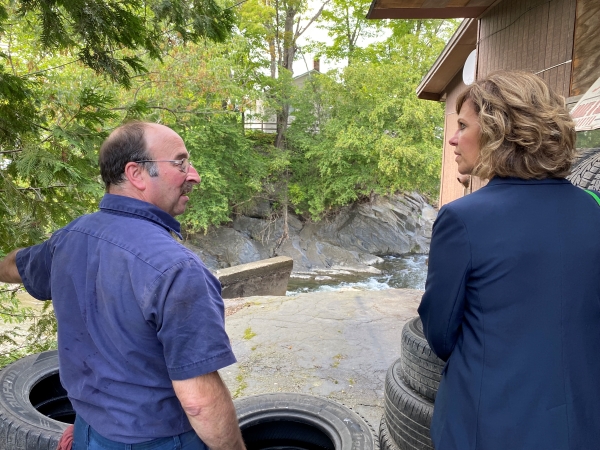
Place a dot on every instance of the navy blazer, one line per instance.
(512, 302)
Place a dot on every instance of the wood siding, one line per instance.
(586, 51)
(531, 35)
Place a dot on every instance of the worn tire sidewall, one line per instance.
(346, 429)
(17, 380)
(406, 413)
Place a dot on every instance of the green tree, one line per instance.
(274, 27)
(346, 24)
(62, 64)
(50, 126)
(363, 130)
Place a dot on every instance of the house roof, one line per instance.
(450, 61)
(429, 9)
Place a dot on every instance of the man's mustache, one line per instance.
(187, 188)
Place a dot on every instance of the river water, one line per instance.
(397, 272)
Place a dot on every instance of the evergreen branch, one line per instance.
(183, 111)
(149, 107)
(35, 189)
(54, 68)
(15, 289)
(236, 5)
(24, 316)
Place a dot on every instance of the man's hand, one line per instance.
(8, 268)
(207, 403)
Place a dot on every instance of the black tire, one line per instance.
(586, 173)
(407, 415)
(385, 440)
(286, 420)
(34, 408)
(420, 368)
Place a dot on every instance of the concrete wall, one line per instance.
(265, 277)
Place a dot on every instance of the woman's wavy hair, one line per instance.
(526, 129)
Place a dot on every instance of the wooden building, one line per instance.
(557, 39)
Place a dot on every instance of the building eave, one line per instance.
(450, 61)
(429, 9)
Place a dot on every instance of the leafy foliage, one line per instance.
(55, 110)
(24, 329)
(346, 24)
(232, 172)
(73, 70)
(366, 131)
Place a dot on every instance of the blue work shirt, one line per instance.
(135, 310)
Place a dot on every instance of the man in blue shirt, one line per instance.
(140, 318)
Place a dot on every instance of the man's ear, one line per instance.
(136, 175)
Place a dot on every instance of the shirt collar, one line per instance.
(119, 204)
(514, 180)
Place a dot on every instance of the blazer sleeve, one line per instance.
(443, 304)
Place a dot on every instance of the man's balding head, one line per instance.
(125, 144)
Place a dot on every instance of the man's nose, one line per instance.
(192, 176)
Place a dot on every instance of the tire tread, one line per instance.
(407, 414)
(420, 368)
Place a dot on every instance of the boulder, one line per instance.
(352, 240)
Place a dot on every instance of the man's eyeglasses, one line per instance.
(182, 164)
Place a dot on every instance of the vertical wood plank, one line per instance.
(491, 45)
(496, 39)
(569, 78)
(481, 55)
(481, 51)
(569, 15)
(500, 37)
(550, 50)
(509, 47)
(511, 50)
(561, 46)
(544, 11)
(586, 49)
(535, 64)
(526, 24)
(558, 43)
(570, 44)
(523, 44)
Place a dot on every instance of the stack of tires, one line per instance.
(410, 387)
(586, 171)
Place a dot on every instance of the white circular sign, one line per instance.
(469, 68)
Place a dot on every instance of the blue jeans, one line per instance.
(86, 438)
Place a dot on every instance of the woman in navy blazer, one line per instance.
(512, 299)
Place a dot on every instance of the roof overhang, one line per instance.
(450, 61)
(429, 9)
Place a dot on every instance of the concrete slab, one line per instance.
(337, 345)
(265, 277)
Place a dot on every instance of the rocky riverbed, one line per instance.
(354, 240)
